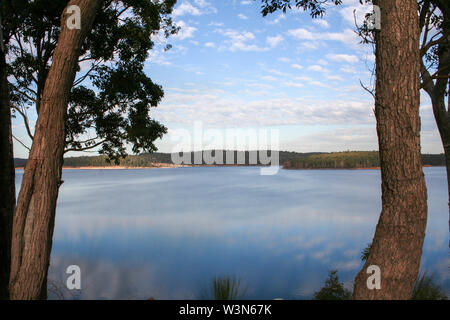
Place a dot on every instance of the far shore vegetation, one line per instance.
(288, 160)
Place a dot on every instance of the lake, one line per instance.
(165, 233)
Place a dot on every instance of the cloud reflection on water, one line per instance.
(165, 233)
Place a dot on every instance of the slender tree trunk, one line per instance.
(397, 244)
(446, 142)
(441, 113)
(7, 181)
(437, 90)
(35, 214)
(442, 117)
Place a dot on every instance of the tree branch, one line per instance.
(21, 142)
(85, 148)
(25, 118)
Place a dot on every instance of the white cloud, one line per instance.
(348, 69)
(296, 66)
(336, 78)
(284, 59)
(158, 57)
(318, 84)
(293, 84)
(210, 45)
(239, 41)
(278, 73)
(274, 41)
(301, 34)
(303, 78)
(322, 23)
(347, 36)
(185, 31)
(343, 58)
(242, 16)
(216, 24)
(186, 8)
(309, 45)
(277, 20)
(358, 137)
(270, 78)
(317, 68)
(246, 2)
(220, 110)
(201, 7)
(353, 9)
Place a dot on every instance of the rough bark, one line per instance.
(7, 181)
(35, 213)
(399, 235)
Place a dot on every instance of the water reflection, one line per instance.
(162, 233)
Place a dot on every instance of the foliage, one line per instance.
(365, 252)
(333, 289)
(225, 288)
(426, 288)
(434, 20)
(316, 7)
(350, 160)
(290, 160)
(111, 97)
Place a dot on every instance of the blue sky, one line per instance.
(232, 68)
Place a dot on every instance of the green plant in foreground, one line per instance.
(365, 252)
(225, 288)
(426, 289)
(333, 289)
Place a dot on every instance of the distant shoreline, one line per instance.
(156, 166)
(167, 166)
(368, 168)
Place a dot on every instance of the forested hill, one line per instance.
(289, 160)
(351, 160)
(150, 159)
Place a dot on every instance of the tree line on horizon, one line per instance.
(288, 160)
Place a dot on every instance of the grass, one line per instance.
(224, 288)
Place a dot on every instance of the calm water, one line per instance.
(165, 233)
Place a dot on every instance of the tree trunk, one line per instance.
(440, 111)
(442, 117)
(7, 181)
(400, 232)
(446, 142)
(437, 90)
(35, 214)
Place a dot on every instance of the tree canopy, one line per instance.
(110, 101)
(316, 7)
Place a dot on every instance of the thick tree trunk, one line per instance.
(35, 214)
(7, 181)
(397, 244)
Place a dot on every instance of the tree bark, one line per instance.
(400, 232)
(7, 181)
(35, 214)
